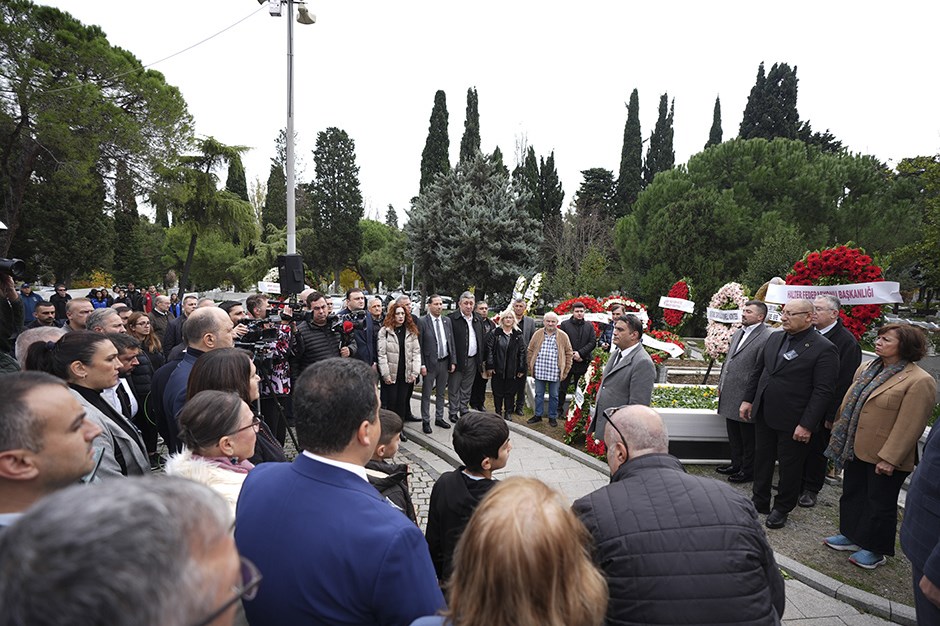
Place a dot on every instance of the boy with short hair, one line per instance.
(481, 440)
(391, 479)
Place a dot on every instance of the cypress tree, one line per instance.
(660, 155)
(470, 143)
(596, 193)
(391, 217)
(551, 191)
(236, 181)
(498, 161)
(771, 107)
(526, 175)
(435, 158)
(714, 135)
(630, 182)
(275, 200)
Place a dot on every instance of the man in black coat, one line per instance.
(826, 321)
(478, 393)
(173, 335)
(527, 325)
(675, 548)
(787, 396)
(468, 344)
(582, 337)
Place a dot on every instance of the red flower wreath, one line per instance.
(659, 356)
(671, 317)
(590, 303)
(630, 306)
(841, 265)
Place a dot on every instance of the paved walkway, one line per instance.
(540, 457)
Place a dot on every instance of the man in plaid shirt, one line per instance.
(549, 359)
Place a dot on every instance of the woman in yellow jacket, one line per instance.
(883, 415)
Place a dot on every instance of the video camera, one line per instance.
(298, 314)
(345, 324)
(16, 268)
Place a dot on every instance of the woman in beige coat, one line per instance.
(883, 415)
(399, 359)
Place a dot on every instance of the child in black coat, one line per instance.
(391, 479)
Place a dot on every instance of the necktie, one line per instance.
(441, 344)
(616, 360)
(124, 400)
(784, 348)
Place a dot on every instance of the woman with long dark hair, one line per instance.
(219, 431)
(399, 359)
(232, 369)
(88, 362)
(140, 327)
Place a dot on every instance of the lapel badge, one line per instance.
(805, 345)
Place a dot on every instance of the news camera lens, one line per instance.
(14, 267)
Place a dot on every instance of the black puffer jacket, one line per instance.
(505, 354)
(680, 549)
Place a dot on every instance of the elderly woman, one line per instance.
(516, 561)
(505, 359)
(399, 358)
(219, 432)
(875, 438)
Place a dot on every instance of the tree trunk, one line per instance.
(184, 279)
(365, 281)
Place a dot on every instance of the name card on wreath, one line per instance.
(880, 292)
(732, 316)
(773, 312)
(269, 287)
(678, 304)
(578, 396)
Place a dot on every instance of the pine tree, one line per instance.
(435, 158)
(275, 200)
(714, 135)
(236, 182)
(391, 217)
(771, 107)
(337, 200)
(660, 156)
(630, 182)
(470, 143)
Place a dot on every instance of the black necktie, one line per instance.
(616, 360)
(125, 400)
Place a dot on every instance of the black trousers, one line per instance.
(574, 377)
(771, 446)
(741, 441)
(519, 394)
(814, 468)
(927, 611)
(275, 416)
(478, 393)
(503, 393)
(396, 397)
(868, 508)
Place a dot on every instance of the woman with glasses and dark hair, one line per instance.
(89, 363)
(232, 369)
(140, 327)
(218, 430)
(874, 439)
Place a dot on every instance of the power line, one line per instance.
(166, 58)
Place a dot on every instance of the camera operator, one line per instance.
(270, 339)
(11, 313)
(316, 339)
(236, 313)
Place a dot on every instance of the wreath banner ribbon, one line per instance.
(881, 292)
(678, 304)
(725, 316)
(663, 346)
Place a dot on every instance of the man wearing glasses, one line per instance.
(60, 298)
(665, 538)
(787, 396)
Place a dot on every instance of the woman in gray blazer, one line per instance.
(88, 362)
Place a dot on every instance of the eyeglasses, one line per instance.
(792, 313)
(250, 581)
(255, 424)
(609, 414)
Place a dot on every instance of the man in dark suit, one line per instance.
(331, 548)
(478, 393)
(787, 397)
(629, 374)
(826, 320)
(582, 337)
(355, 302)
(468, 344)
(742, 359)
(438, 359)
(527, 325)
(173, 335)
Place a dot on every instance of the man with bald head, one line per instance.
(77, 311)
(675, 548)
(787, 396)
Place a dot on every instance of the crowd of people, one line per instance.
(332, 536)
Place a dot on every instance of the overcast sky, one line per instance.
(557, 74)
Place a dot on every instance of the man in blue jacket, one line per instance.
(331, 549)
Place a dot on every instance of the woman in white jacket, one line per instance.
(399, 359)
(218, 430)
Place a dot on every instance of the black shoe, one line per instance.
(452, 418)
(402, 436)
(765, 509)
(740, 477)
(552, 422)
(727, 469)
(535, 419)
(807, 499)
(507, 416)
(441, 424)
(426, 428)
(518, 411)
(412, 418)
(776, 519)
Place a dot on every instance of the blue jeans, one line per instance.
(553, 386)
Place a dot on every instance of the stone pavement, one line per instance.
(562, 468)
